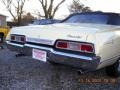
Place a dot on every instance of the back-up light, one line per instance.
(75, 46)
(18, 38)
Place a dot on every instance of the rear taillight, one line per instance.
(87, 48)
(75, 46)
(22, 39)
(18, 38)
(12, 37)
(63, 45)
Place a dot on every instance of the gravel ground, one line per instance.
(24, 73)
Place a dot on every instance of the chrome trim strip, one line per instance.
(72, 55)
(39, 47)
(38, 40)
(14, 44)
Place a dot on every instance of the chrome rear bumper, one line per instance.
(79, 61)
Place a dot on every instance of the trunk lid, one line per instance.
(48, 34)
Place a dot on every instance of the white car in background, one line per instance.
(88, 41)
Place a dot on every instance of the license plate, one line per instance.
(39, 55)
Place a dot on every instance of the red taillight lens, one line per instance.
(75, 46)
(12, 37)
(63, 45)
(18, 38)
(87, 48)
(22, 39)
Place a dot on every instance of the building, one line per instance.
(3, 20)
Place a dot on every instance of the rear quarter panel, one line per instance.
(108, 47)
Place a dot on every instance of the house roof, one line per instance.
(3, 15)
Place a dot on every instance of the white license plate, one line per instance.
(39, 55)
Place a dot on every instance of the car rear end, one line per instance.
(75, 53)
(79, 54)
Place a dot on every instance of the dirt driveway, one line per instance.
(24, 73)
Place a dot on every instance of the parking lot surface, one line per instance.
(25, 73)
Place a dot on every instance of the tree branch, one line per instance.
(56, 8)
(44, 8)
(8, 4)
(50, 7)
(49, 10)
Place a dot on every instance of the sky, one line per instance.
(102, 5)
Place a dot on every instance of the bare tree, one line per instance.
(15, 8)
(77, 6)
(27, 19)
(49, 9)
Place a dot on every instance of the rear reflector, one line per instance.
(75, 46)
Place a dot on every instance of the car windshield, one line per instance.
(93, 18)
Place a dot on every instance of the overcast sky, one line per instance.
(103, 5)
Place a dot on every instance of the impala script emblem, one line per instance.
(72, 36)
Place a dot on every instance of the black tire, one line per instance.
(112, 70)
(1, 37)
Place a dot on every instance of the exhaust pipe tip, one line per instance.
(80, 72)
